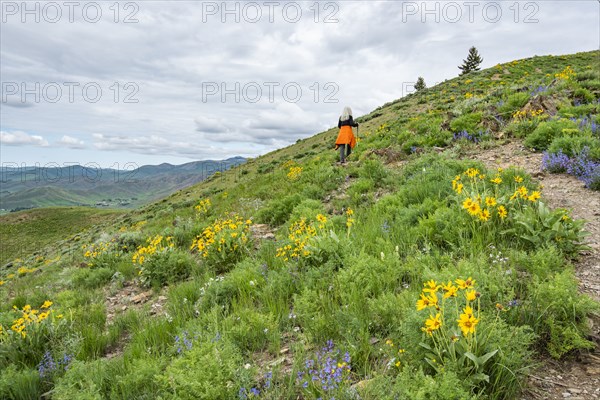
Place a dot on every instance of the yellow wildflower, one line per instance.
(484, 215)
(502, 213)
(467, 323)
(471, 295)
(433, 323)
(465, 284)
(490, 201)
(535, 195)
(431, 286)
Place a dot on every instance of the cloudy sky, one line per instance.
(148, 82)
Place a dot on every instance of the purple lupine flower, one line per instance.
(385, 227)
(48, 366)
(268, 378)
(555, 162)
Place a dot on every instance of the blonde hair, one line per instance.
(346, 114)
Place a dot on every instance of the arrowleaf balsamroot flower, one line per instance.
(449, 290)
(427, 301)
(465, 284)
(433, 323)
(431, 287)
(467, 321)
(471, 295)
(502, 213)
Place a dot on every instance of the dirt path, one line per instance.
(579, 378)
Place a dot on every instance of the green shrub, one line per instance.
(373, 170)
(91, 278)
(592, 85)
(129, 241)
(438, 139)
(243, 282)
(327, 249)
(278, 211)
(166, 267)
(153, 337)
(315, 310)
(522, 128)
(583, 96)
(138, 381)
(210, 370)
(573, 145)
(83, 380)
(513, 103)
(182, 299)
(307, 209)
(359, 191)
(20, 384)
(183, 234)
(538, 226)
(578, 111)
(587, 76)
(414, 384)
(251, 331)
(424, 126)
(546, 132)
(558, 313)
(467, 122)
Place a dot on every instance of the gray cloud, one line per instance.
(370, 53)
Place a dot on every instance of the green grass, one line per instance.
(249, 314)
(27, 232)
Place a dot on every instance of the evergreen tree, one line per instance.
(472, 62)
(420, 85)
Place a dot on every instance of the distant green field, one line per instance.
(25, 232)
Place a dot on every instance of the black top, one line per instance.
(348, 122)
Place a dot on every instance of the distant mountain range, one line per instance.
(76, 185)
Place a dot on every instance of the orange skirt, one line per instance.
(346, 136)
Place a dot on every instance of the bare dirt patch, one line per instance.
(131, 296)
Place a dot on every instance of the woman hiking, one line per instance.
(345, 140)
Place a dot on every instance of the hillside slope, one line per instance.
(411, 272)
(24, 234)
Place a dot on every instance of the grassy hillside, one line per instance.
(27, 233)
(408, 273)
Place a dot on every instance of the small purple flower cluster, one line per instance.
(264, 270)
(590, 122)
(555, 162)
(48, 366)
(244, 393)
(327, 371)
(585, 169)
(587, 122)
(183, 342)
(580, 166)
(385, 227)
(539, 89)
(475, 137)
